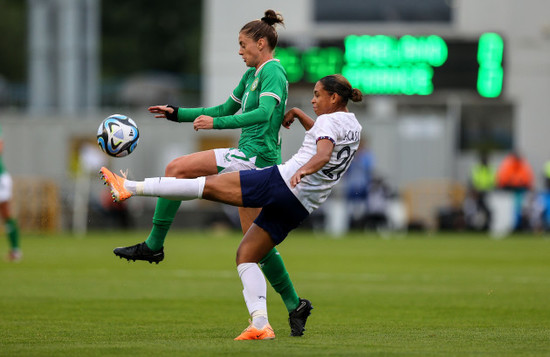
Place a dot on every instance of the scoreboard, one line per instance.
(408, 65)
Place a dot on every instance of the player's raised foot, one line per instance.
(140, 252)
(253, 333)
(297, 318)
(118, 192)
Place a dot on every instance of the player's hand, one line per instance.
(160, 110)
(288, 119)
(296, 178)
(203, 122)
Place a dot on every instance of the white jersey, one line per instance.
(343, 129)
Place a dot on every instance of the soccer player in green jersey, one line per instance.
(261, 96)
(5, 210)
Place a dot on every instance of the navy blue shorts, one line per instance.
(281, 210)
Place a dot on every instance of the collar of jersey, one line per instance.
(263, 64)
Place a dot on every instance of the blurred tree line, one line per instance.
(136, 36)
(13, 30)
(141, 35)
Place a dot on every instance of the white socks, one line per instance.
(168, 187)
(254, 292)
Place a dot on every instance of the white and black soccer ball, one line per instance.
(117, 135)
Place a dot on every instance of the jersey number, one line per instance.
(244, 102)
(342, 164)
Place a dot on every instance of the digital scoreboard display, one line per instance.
(407, 65)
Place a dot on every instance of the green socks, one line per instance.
(165, 211)
(275, 271)
(13, 233)
(272, 264)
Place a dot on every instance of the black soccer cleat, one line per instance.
(140, 252)
(297, 318)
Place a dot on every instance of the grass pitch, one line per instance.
(418, 295)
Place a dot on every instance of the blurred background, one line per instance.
(452, 88)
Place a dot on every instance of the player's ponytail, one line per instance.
(356, 95)
(272, 18)
(336, 83)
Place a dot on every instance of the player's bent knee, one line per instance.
(177, 168)
(171, 169)
(245, 258)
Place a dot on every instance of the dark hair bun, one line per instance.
(356, 95)
(271, 18)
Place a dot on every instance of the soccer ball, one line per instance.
(117, 135)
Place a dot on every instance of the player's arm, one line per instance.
(317, 161)
(306, 121)
(177, 114)
(231, 106)
(273, 86)
(258, 115)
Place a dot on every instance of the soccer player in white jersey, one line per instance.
(287, 193)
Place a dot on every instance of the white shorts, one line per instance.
(229, 160)
(5, 187)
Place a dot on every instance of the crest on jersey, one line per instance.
(254, 84)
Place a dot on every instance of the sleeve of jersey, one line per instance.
(324, 129)
(274, 83)
(261, 114)
(190, 114)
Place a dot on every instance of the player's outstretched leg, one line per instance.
(135, 252)
(298, 317)
(140, 252)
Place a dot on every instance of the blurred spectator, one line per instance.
(378, 196)
(357, 181)
(546, 196)
(516, 175)
(11, 226)
(539, 207)
(482, 181)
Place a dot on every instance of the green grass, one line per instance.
(419, 295)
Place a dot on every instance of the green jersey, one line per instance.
(261, 95)
(259, 136)
(2, 168)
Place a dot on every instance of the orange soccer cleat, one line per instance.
(118, 192)
(252, 333)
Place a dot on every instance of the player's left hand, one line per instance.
(161, 110)
(288, 119)
(296, 178)
(203, 122)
